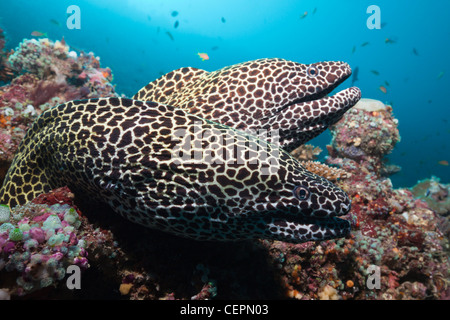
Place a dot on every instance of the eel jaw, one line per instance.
(299, 229)
(325, 111)
(307, 118)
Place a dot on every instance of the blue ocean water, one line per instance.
(142, 39)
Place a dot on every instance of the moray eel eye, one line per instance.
(301, 193)
(312, 72)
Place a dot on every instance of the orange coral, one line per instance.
(4, 121)
(327, 172)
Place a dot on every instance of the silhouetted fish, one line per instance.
(355, 75)
(170, 35)
(55, 22)
(39, 34)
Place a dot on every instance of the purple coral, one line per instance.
(42, 243)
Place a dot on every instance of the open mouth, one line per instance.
(304, 119)
(316, 96)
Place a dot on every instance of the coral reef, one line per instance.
(435, 194)
(330, 173)
(367, 134)
(62, 73)
(402, 233)
(48, 74)
(437, 197)
(6, 74)
(306, 152)
(37, 244)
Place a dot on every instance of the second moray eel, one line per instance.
(283, 101)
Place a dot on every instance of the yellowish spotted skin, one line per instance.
(123, 153)
(282, 101)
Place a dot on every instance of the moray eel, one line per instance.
(164, 168)
(283, 101)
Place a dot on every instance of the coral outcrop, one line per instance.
(437, 197)
(6, 74)
(48, 74)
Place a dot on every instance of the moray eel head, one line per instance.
(297, 102)
(296, 206)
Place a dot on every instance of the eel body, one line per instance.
(168, 169)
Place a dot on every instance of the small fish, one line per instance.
(215, 48)
(383, 89)
(387, 40)
(63, 41)
(204, 56)
(354, 49)
(440, 75)
(427, 193)
(55, 22)
(303, 16)
(39, 34)
(174, 13)
(170, 35)
(443, 163)
(176, 24)
(375, 72)
(386, 83)
(223, 20)
(355, 75)
(415, 52)
(314, 11)
(364, 44)
(383, 24)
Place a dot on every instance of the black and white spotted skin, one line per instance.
(266, 96)
(126, 153)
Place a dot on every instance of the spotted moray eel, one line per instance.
(123, 153)
(263, 96)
